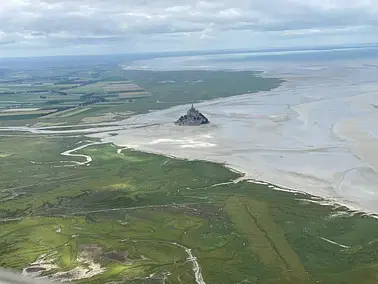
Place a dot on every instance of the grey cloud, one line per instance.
(94, 21)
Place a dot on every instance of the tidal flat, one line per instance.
(316, 133)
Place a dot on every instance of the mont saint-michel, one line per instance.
(192, 117)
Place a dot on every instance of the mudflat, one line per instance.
(316, 133)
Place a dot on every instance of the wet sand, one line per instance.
(316, 133)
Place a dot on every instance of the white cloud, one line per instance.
(187, 24)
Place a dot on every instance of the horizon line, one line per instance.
(178, 53)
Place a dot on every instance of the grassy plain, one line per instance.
(126, 212)
(172, 88)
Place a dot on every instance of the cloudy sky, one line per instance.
(54, 27)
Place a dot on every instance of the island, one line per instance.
(192, 117)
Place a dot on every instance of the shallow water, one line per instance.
(316, 133)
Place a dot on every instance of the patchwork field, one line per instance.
(63, 95)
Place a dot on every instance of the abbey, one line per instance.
(192, 117)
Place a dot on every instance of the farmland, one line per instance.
(62, 101)
(53, 95)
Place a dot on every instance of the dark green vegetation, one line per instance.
(172, 88)
(127, 218)
(49, 93)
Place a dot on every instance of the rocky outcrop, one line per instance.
(192, 117)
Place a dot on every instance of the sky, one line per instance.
(60, 27)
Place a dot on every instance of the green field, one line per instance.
(130, 215)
